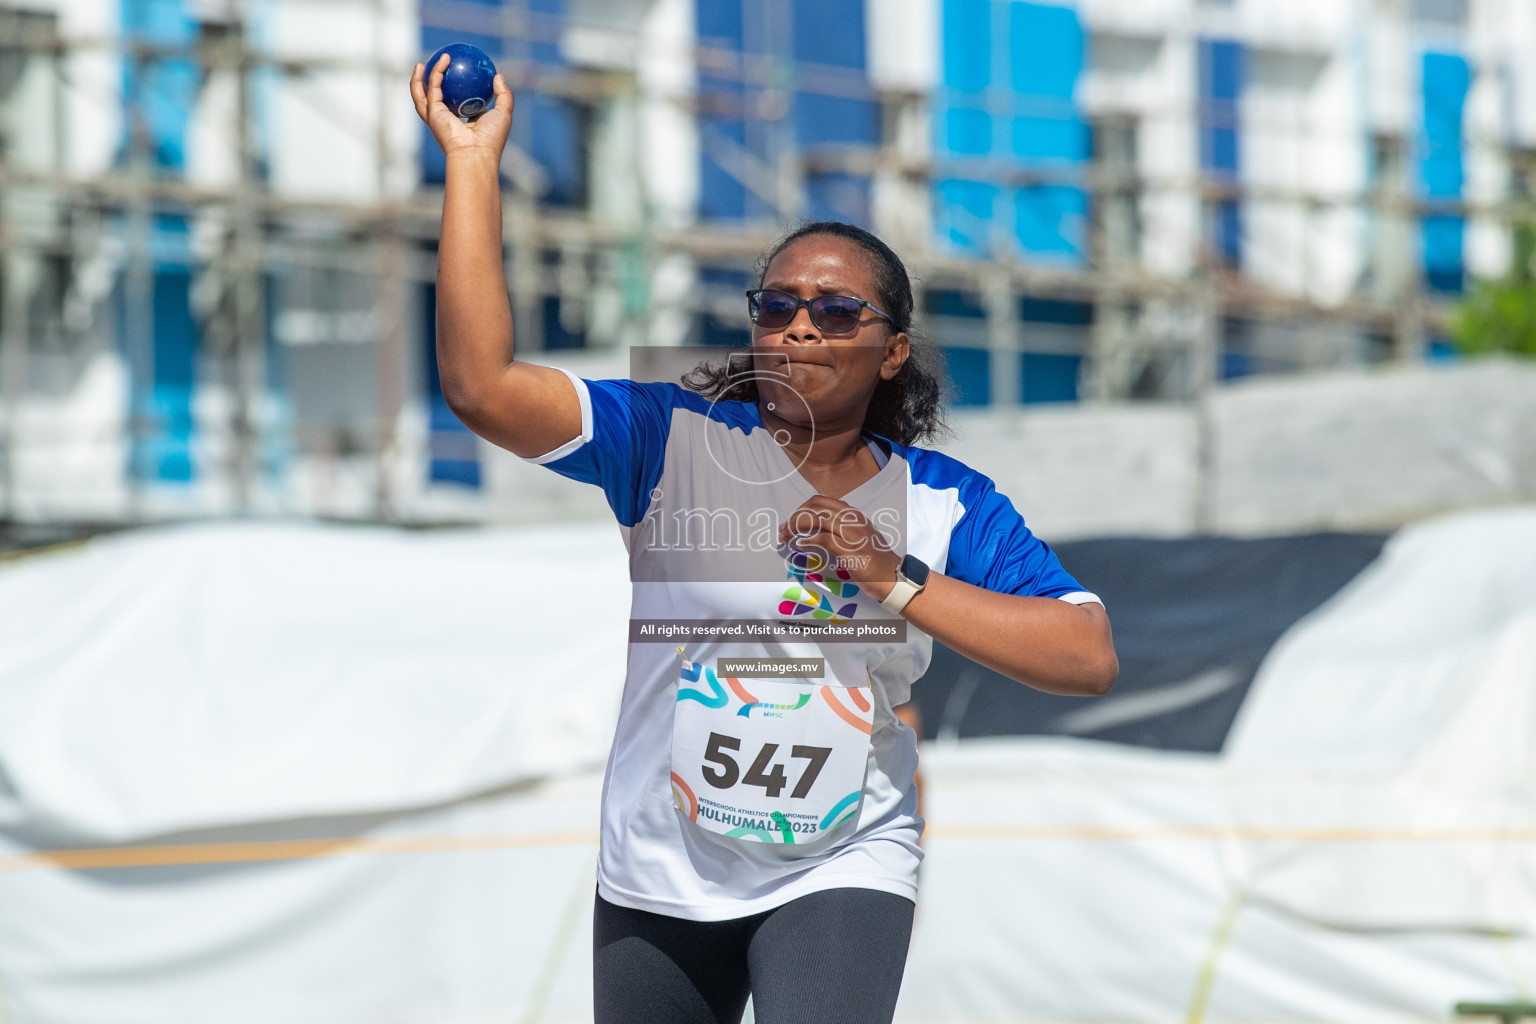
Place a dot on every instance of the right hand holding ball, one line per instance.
(459, 81)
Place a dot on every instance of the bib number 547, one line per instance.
(763, 772)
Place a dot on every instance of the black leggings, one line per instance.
(833, 957)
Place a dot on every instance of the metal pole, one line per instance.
(391, 312)
(13, 368)
(391, 300)
(1004, 355)
(1112, 184)
(1205, 351)
(249, 323)
(139, 307)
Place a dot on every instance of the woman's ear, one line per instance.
(897, 348)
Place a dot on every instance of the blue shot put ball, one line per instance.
(467, 81)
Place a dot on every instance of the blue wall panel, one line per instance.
(551, 134)
(1051, 221)
(967, 132)
(159, 94)
(723, 195)
(1222, 75)
(831, 33)
(160, 91)
(970, 370)
(967, 46)
(1012, 104)
(1045, 49)
(719, 22)
(1445, 79)
(164, 451)
(819, 40)
(547, 127)
(555, 334)
(725, 331)
(1049, 377)
(965, 213)
(724, 99)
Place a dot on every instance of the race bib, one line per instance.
(768, 760)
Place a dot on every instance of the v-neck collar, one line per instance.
(805, 485)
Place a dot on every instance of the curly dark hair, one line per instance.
(909, 408)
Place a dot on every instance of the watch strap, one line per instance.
(904, 591)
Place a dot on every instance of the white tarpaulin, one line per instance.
(1363, 850)
(349, 777)
(205, 676)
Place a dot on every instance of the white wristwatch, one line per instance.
(911, 577)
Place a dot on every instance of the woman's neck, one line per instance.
(832, 459)
(820, 446)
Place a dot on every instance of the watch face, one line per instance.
(915, 570)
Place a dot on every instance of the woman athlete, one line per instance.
(759, 825)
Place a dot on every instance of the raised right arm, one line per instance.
(526, 408)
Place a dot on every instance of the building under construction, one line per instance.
(218, 217)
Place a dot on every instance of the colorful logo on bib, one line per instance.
(751, 703)
(808, 569)
(830, 694)
(714, 699)
(683, 797)
(799, 601)
(812, 568)
(832, 820)
(773, 827)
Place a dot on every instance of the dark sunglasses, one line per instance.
(834, 314)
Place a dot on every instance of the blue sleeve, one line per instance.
(992, 548)
(623, 442)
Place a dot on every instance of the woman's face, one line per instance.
(830, 377)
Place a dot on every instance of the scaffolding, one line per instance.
(79, 257)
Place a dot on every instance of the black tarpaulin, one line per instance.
(1193, 618)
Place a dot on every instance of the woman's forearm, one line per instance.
(474, 316)
(1039, 641)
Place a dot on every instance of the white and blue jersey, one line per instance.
(699, 490)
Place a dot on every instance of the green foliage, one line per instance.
(1500, 316)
